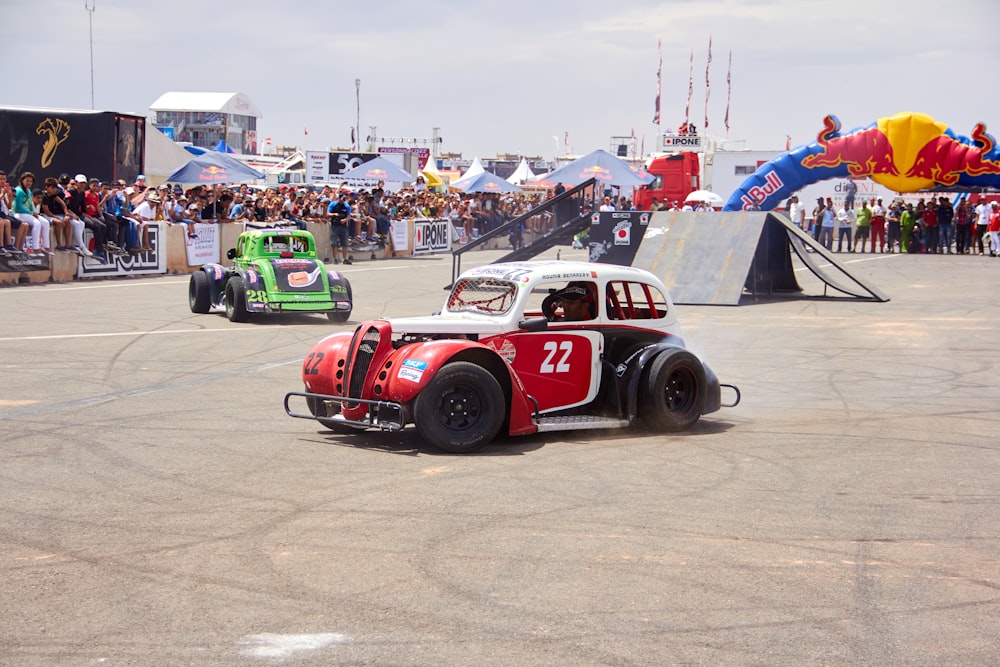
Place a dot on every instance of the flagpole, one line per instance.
(708, 84)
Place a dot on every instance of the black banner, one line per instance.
(50, 142)
(18, 262)
(615, 236)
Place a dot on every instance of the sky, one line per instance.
(518, 76)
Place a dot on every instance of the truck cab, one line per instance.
(674, 177)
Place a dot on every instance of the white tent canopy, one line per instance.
(163, 156)
(474, 169)
(521, 174)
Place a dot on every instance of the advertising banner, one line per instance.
(430, 236)
(205, 248)
(16, 263)
(615, 236)
(400, 235)
(144, 263)
(323, 167)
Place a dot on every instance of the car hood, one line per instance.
(458, 323)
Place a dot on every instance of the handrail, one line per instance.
(456, 255)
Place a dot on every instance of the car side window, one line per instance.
(628, 300)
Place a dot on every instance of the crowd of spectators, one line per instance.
(933, 225)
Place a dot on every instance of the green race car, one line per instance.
(273, 271)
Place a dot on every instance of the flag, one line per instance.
(354, 144)
(729, 88)
(788, 142)
(305, 131)
(566, 143)
(687, 109)
(708, 65)
(267, 140)
(659, 80)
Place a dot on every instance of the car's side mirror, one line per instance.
(534, 324)
(231, 253)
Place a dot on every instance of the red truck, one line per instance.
(676, 176)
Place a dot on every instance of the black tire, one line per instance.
(461, 409)
(341, 316)
(672, 393)
(316, 406)
(236, 300)
(200, 293)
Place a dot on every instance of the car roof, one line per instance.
(545, 271)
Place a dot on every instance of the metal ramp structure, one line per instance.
(570, 213)
(711, 258)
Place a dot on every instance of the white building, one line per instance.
(206, 119)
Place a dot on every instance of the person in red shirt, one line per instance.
(993, 227)
(931, 235)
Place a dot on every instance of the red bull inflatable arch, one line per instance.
(907, 152)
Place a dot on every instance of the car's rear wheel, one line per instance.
(236, 300)
(673, 391)
(461, 409)
(325, 411)
(199, 293)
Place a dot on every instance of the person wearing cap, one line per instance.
(573, 303)
(340, 213)
(145, 213)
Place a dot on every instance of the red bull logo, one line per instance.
(600, 173)
(906, 152)
(945, 159)
(865, 152)
(377, 173)
(759, 193)
(213, 173)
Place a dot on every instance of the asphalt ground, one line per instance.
(158, 507)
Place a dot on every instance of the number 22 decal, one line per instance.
(552, 348)
(311, 365)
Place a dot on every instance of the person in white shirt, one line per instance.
(982, 221)
(797, 212)
(846, 218)
(607, 206)
(145, 213)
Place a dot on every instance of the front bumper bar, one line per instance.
(383, 415)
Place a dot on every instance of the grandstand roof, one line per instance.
(232, 103)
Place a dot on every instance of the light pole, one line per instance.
(91, 8)
(357, 118)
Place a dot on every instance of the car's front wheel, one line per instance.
(199, 293)
(673, 391)
(461, 409)
(236, 300)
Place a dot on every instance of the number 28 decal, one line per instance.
(553, 348)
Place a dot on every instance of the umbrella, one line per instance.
(213, 167)
(706, 196)
(379, 169)
(602, 165)
(485, 182)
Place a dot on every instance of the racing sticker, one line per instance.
(507, 351)
(412, 370)
(623, 233)
(297, 275)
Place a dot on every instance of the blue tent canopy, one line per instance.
(222, 147)
(212, 167)
(379, 169)
(486, 182)
(602, 165)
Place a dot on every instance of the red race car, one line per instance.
(518, 348)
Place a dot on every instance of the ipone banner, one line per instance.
(907, 152)
(431, 236)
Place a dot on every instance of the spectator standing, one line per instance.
(864, 227)
(893, 230)
(817, 217)
(878, 226)
(982, 223)
(845, 226)
(963, 222)
(930, 224)
(945, 219)
(797, 212)
(606, 206)
(340, 213)
(907, 220)
(993, 227)
(826, 225)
